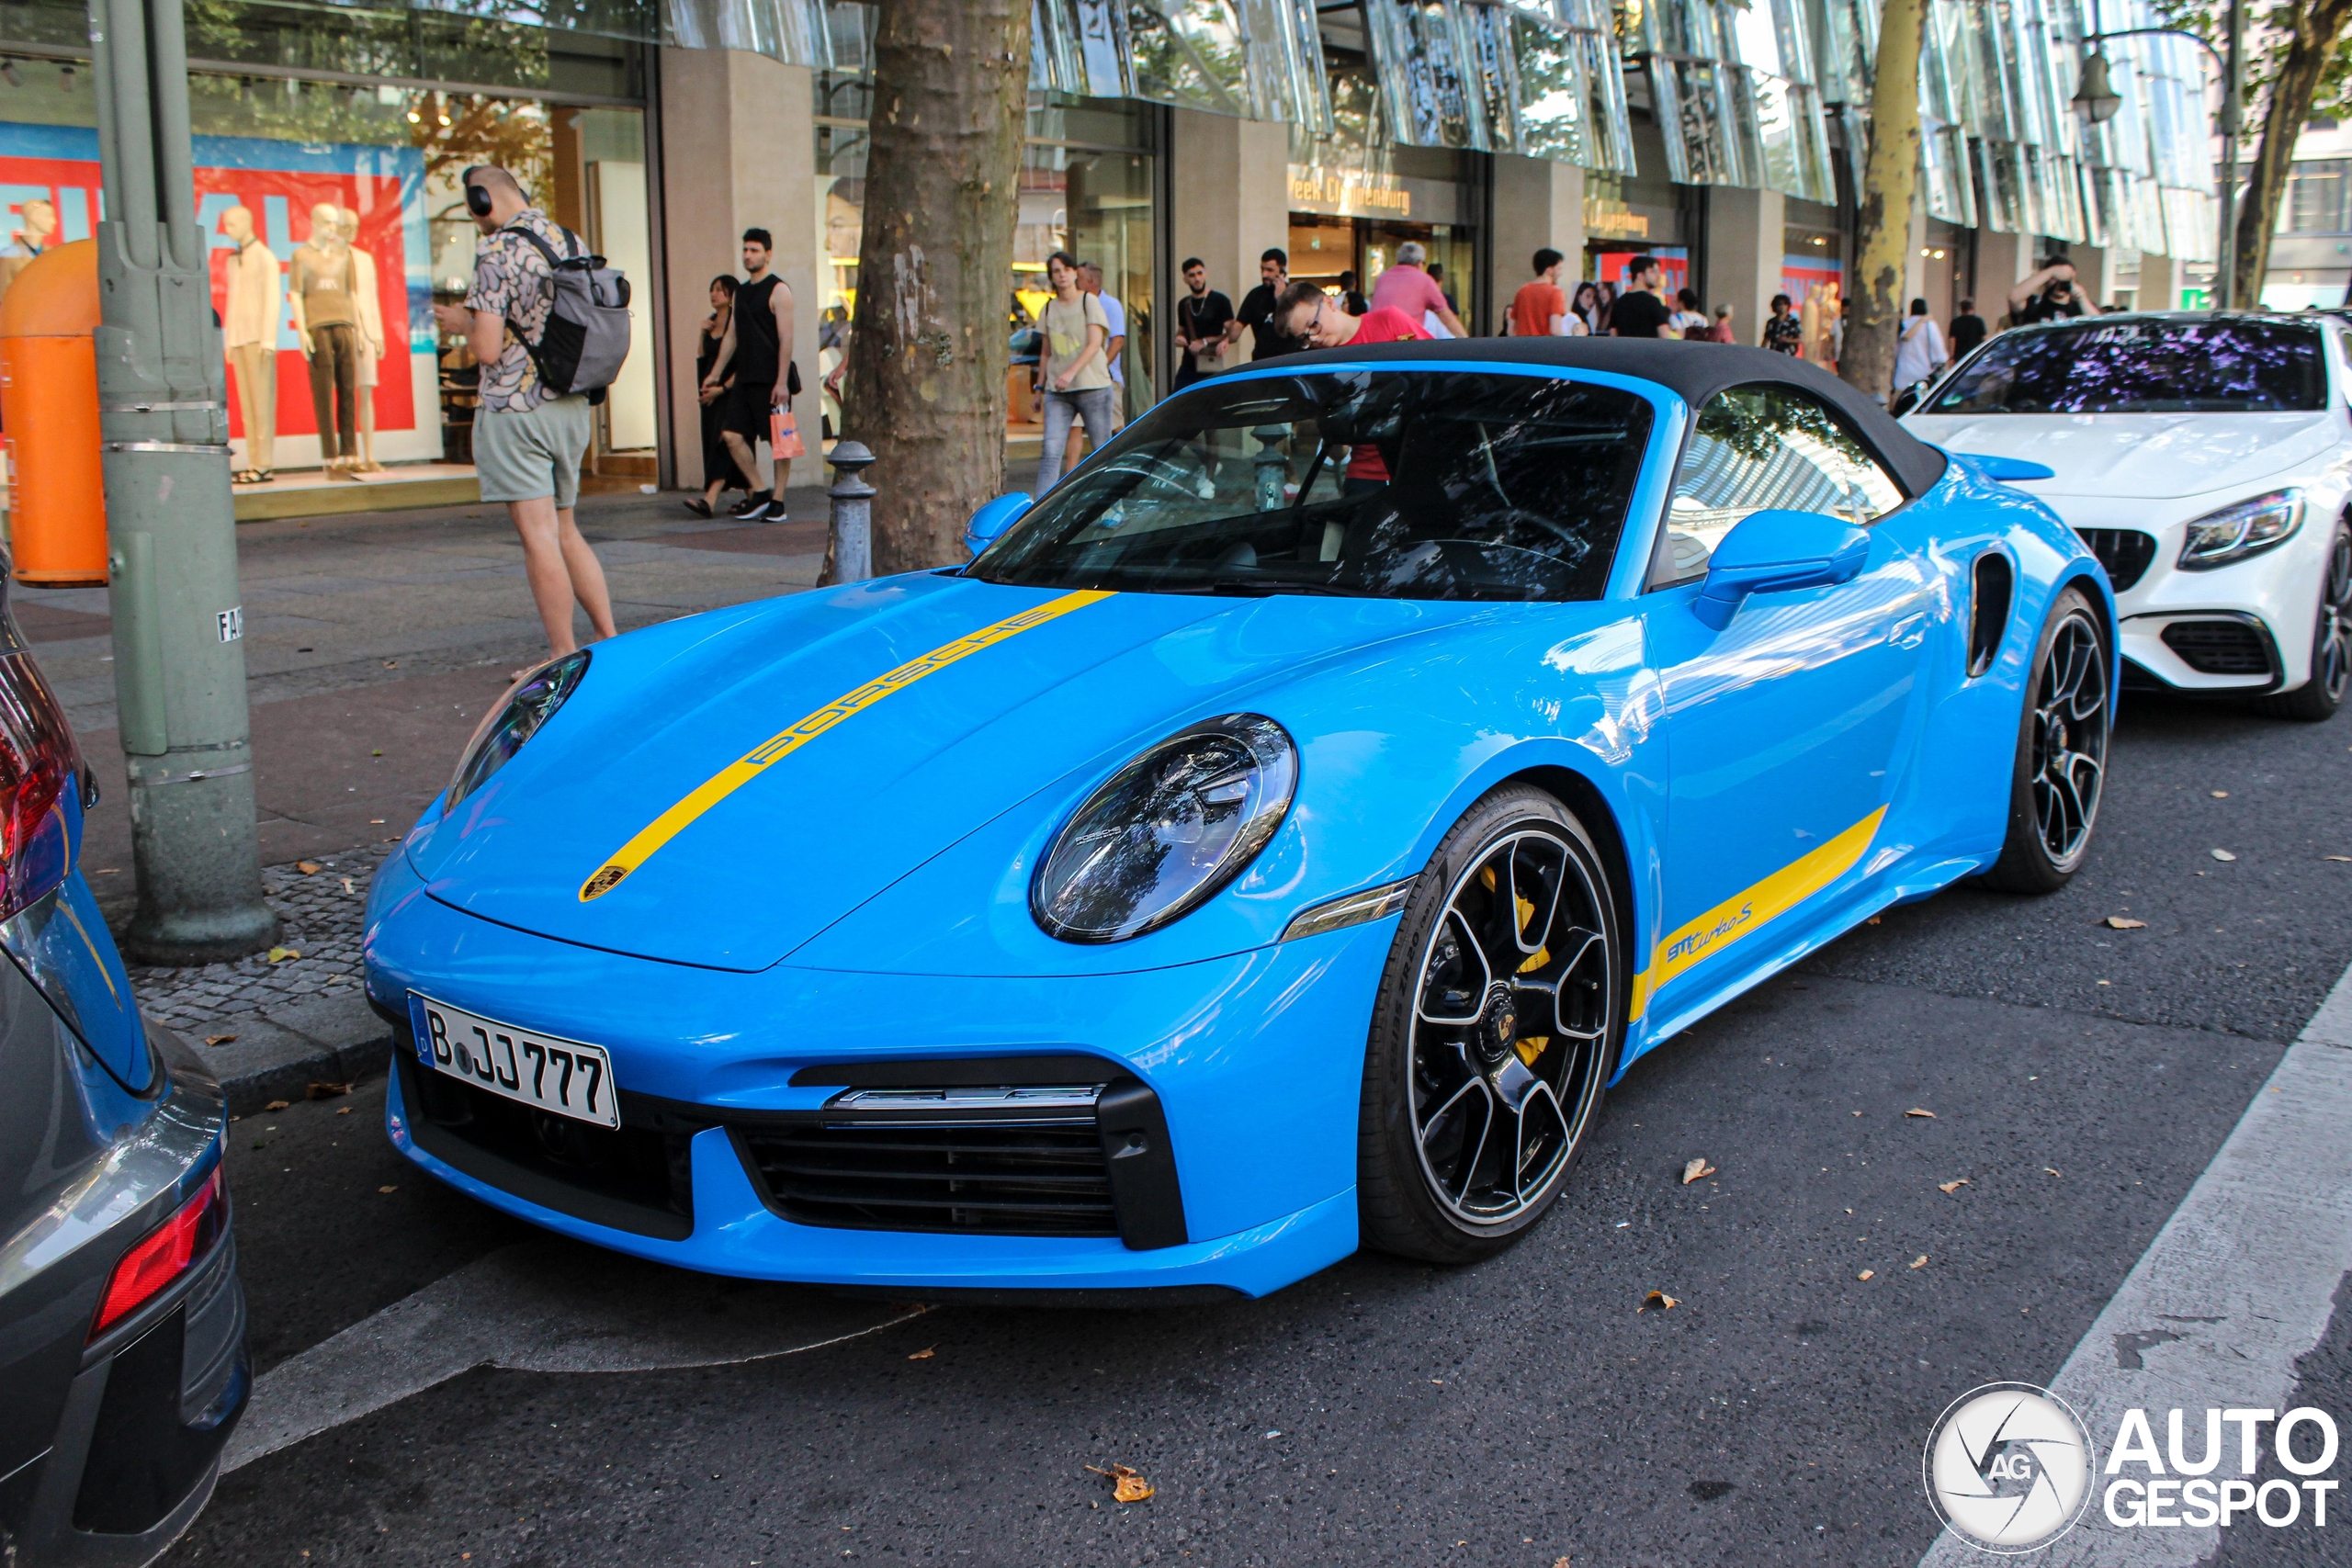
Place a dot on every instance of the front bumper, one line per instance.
(1253, 1064)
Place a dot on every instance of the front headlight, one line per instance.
(530, 704)
(1168, 830)
(2246, 529)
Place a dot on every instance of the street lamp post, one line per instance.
(2097, 100)
(171, 524)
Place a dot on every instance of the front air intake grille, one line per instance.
(2125, 552)
(1001, 1161)
(2219, 647)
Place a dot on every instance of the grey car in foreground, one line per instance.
(122, 1325)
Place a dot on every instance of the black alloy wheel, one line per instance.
(2317, 699)
(1497, 1024)
(2061, 768)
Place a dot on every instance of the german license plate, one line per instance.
(564, 1077)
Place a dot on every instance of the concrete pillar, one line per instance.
(1745, 250)
(2160, 282)
(738, 150)
(1230, 198)
(2001, 261)
(1538, 203)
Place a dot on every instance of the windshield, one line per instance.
(2143, 366)
(1410, 484)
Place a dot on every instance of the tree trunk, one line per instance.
(1889, 184)
(2316, 26)
(929, 347)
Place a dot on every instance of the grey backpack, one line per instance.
(586, 336)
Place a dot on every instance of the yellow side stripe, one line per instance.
(776, 747)
(1742, 912)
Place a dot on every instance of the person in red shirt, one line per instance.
(1307, 311)
(1408, 287)
(1540, 309)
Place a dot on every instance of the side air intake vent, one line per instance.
(1993, 589)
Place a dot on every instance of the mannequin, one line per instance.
(1822, 325)
(26, 243)
(249, 326)
(322, 284)
(370, 306)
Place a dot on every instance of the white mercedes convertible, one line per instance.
(2206, 460)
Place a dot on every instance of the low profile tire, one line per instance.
(2317, 699)
(2061, 767)
(1497, 1022)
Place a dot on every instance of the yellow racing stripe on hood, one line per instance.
(776, 747)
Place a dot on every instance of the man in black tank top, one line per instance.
(765, 378)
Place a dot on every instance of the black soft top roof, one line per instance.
(1697, 371)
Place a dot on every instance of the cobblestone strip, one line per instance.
(321, 910)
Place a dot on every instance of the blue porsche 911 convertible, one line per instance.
(1273, 842)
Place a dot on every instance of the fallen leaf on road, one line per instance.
(308, 867)
(1872, 921)
(2221, 795)
(1695, 1169)
(1951, 1186)
(391, 664)
(1915, 1110)
(1660, 1300)
(924, 1354)
(327, 1091)
(1920, 1261)
(2345, 858)
(2223, 854)
(2126, 923)
(280, 954)
(1127, 1485)
(348, 887)
(345, 1112)
(374, 821)
(387, 1189)
(218, 1039)
(1866, 1274)
(2049, 1171)
(277, 1105)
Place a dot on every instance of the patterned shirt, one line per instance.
(513, 280)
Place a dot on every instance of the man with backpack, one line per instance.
(529, 438)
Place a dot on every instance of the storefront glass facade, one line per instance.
(332, 140)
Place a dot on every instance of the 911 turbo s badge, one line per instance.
(736, 774)
(1702, 938)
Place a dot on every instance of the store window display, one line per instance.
(368, 301)
(326, 318)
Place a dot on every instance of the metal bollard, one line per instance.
(852, 500)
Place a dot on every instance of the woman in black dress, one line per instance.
(718, 464)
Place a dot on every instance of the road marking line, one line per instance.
(776, 747)
(2236, 1289)
(547, 1305)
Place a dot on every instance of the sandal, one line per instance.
(246, 477)
(699, 507)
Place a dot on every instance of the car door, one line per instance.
(1787, 727)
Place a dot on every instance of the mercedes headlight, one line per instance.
(1168, 831)
(531, 702)
(2246, 529)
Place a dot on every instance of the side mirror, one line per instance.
(1907, 399)
(1770, 552)
(993, 519)
(2007, 470)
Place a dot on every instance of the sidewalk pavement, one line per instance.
(374, 643)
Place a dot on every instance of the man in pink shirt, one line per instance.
(1405, 287)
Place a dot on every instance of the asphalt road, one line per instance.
(1519, 1412)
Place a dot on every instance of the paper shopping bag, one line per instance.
(783, 436)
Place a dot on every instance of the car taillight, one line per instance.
(164, 1255)
(38, 758)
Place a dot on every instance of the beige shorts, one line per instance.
(533, 453)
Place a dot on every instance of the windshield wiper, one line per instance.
(1255, 587)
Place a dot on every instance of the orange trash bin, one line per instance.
(49, 409)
